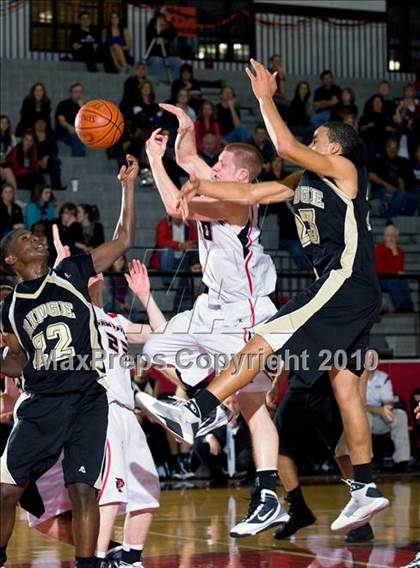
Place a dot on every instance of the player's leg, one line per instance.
(9, 497)
(143, 490)
(293, 424)
(107, 515)
(82, 467)
(366, 498)
(264, 503)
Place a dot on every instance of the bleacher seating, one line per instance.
(98, 183)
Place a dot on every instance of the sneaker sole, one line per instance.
(356, 523)
(278, 521)
(166, 423)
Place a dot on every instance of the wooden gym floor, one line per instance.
(191, 531)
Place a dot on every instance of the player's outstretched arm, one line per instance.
(185, 144)
(139, 283)
(334, 166)
(237, 192)
(104, 255)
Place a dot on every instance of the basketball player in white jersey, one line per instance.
(239, 277)
(130, 482)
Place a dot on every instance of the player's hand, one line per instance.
(138, 279)
(131, 171)
(271, 399)
(214, 444)
(388, 412)
(262, 81)
(189, 190)
(184, 121)
(156, 144)
(63, 251)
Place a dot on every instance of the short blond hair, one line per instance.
(247, 157)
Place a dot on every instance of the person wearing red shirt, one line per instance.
(22, 159)
(175, 241)
(389, 259)
(206, 123)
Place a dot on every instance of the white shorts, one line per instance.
(130, 476)
(199, 341)
(53, 493)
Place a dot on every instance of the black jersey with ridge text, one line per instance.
(334, 230)
(55, 324)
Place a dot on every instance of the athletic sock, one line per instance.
(131, 553)
(266, 479)
(113, 544)
(85, 562)
(363, 473)
(296, 498)
(3, 555)
(204, 402)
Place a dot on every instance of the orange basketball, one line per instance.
(99, 124)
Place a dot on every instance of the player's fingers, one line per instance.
(169, 108)
(56, 235)
(154, 134)
(250, 74)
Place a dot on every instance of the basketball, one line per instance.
(99, 124)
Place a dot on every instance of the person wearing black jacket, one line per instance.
(47, 153)
(84, 42)
(69, 229)
(36, 105)
(11, 216)
(162, 28)
(93, 231)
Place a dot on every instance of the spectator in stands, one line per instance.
(389, 259)
(23, 161)
(163, 60)
(345, 106)
(182, 100)
(7, 142)
(132, 84)
(229, 117)
(69, 229)
(415, 170)
(276, 65)
(299, 118)
(117, 44)
(262, 142)
(326, 98)
(186, 81)
(47, 153)
(276, 170)
(384, 418)
(92, 229)
(374, 127)
(212, 449)
(389, 105)
(207, 123)
(65, 117)
(141, 117)
(41, 207)
(351, 120)
(84, 42)
(392, 182)
(407, 118)
(175, 241)
(11, 216)
(210, 149)
(36, 105)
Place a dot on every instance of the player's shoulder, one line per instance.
(80, 265)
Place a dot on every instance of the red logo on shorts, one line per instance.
(119, 484)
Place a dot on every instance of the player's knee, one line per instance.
(9, 495)
(82, 496)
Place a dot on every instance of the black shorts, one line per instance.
(47, 424)
(329, 319)
(308, 420)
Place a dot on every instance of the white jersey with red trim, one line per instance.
(113, 330)
(235, 267)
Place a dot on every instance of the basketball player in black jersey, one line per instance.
(51, 328)
(329, 322)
